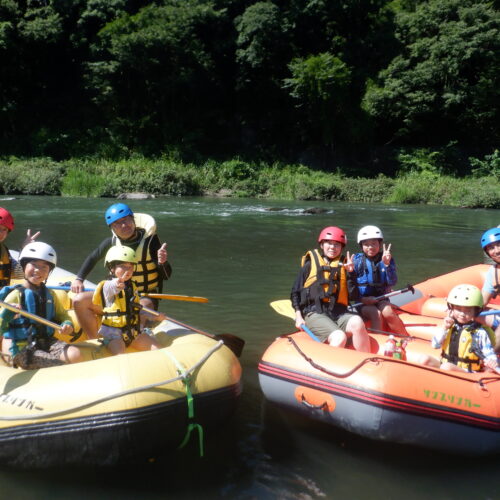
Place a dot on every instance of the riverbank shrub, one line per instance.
(169, 176)
(31, 176)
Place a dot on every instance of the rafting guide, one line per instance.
(137, 231)
(490, 242)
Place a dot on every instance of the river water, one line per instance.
(242, 254)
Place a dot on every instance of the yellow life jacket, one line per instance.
(5, 266)
(120, 314)
(146, 273)
(457, 347)
(326, 284)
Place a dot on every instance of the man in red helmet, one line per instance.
(323, 289)
(10, 268)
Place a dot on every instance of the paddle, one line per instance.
(233, 342)
(284, 307)
(29, 315)
(489, 313)
(186, 298)
(409, 288)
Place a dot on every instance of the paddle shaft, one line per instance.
(29, 315)
(409, 288)
(489, 313)
(233, 342)
(166, 296)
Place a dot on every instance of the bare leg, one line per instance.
(393, 320)
(116, 346)
(337, 338)
(145, 342)
(86, 314)
(71, 354)
(360, 338)
(372, 314)
(144, 317)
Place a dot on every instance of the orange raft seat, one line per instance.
(384, 398)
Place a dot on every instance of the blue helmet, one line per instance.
(489, 237)
(117, 211)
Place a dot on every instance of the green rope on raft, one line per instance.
(186, 380)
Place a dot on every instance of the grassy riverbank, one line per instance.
(102, 178)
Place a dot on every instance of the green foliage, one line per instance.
(78, 182)
(489, 166)
(444, 81)
(32, 176)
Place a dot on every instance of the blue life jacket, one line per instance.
(22, 328)
(371, 275)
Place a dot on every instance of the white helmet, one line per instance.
(38, 250)
(369, 233)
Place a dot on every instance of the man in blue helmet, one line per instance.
(490, 243)
(137, 231)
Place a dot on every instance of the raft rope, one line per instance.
(40, 416)
(326, 370)
(376, 359)
(192, 425)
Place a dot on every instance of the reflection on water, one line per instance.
(243, 254)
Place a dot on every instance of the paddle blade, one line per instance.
(283, 307)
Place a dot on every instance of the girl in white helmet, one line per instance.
(117, 300)
(32, 344)
(375, 271)
(465, 344)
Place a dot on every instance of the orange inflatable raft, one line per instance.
(385, 398)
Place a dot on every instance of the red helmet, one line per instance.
(333, 233)
(6, 219)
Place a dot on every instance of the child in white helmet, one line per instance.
(466, 345)
(32, 344)
(117, 300)
(375, 271)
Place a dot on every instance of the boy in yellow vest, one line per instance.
(466, 345)
(322, 291)
(116, 299)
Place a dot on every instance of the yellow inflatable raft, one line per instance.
(116, 409)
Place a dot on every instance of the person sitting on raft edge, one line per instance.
(322, 291)
(490, 243)
(32, 344)
(9, 267)
(137, 231)
(466, 345)
(375, 271)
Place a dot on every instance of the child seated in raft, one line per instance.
(30, 343)
(490, 242)
(375, 272)
(117, 300)
(9, 268)
(322, 290)
(466, 345)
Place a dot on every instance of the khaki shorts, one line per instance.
(322, 325)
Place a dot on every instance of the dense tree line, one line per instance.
(336, 84)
